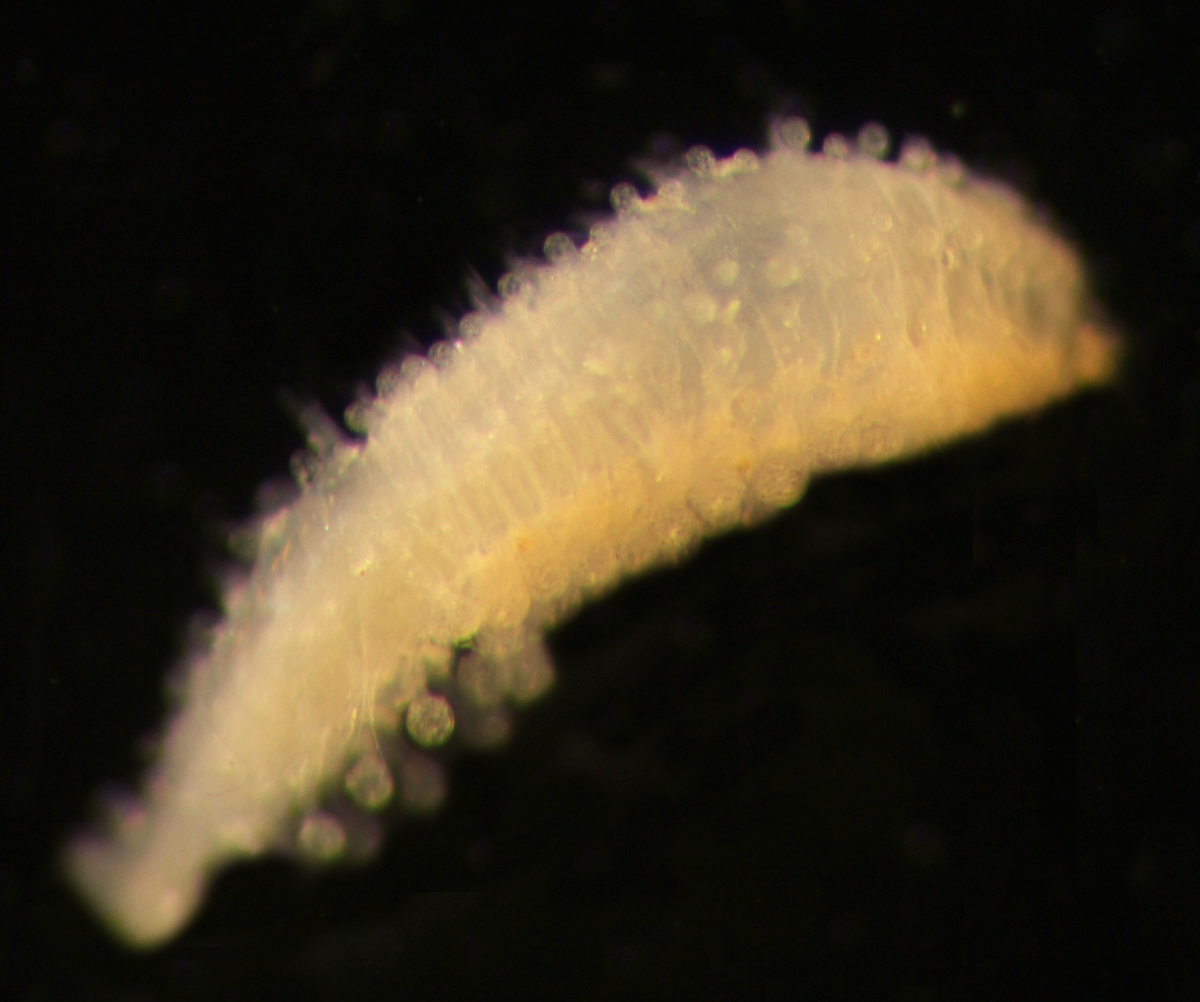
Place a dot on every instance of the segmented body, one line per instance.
(756, 321)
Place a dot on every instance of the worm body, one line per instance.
(756, 321)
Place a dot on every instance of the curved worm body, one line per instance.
(754, 322)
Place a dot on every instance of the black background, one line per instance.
(931, 735)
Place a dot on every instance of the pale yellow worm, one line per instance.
(757, 320)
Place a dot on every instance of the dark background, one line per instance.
(931, 735)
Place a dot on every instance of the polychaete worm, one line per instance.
(755, 321)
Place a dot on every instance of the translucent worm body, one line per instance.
(754, 322)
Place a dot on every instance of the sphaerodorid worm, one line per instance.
(755, 321)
